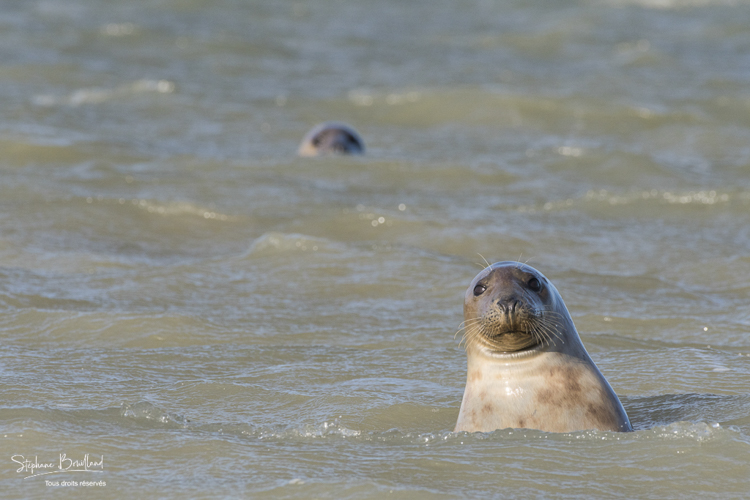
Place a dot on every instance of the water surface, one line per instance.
(217, 318)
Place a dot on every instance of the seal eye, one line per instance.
(479, 290)
(535, 285)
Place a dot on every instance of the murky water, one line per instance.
(215, 317)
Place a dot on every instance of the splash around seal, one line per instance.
(527, 366)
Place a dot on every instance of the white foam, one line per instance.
(274, 242)
(99, 95)
(175, 208)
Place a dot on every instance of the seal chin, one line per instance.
(524, 352)
(508, 336)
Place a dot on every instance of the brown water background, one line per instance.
(217, 318)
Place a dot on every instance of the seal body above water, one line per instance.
(331, 138)
(527, 367)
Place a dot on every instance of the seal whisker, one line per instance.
(533, 331)
(550, 332)
(471, 321)
(462, 336)
(464, 329)
(521, 261)
(551, 321)
(487, 264)
(539, 333)
(557, 332)
(470, 330)
(467, 324)
(470, 335)
(555, 314)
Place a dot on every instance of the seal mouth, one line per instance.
(501, 346)
(526, 352)
(504, 335)
(510, 341)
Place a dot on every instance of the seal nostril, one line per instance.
(509, 306)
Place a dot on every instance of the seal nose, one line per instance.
(509, 306)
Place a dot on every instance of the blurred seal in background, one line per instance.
(331, 138)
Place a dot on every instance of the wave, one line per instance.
(272, 243)
(100, 95)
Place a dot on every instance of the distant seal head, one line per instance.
(527, 367)
(331, 137)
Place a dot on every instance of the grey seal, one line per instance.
(331, 137)
(527, 367)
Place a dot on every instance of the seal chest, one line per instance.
(527, 367)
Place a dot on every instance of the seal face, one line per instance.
(509, 309)
(527, 366)
(331, 138)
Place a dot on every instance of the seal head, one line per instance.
(509, 308)
(331, 138)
